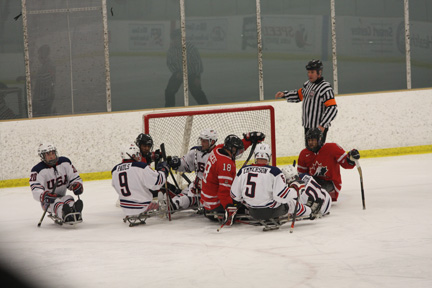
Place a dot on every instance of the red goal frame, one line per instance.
(147, 118)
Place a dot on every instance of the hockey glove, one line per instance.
(163, 167)
(48, 198)
(174, 162)
(77, 188)
(315, 205)
(156, 155)
(230, 212)
(297, 185)
(354, 155)
(254, 137)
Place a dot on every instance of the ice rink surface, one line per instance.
(387, 245)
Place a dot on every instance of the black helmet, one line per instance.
(231, 142)
(315, 65)
(144, 139)
(314, 133)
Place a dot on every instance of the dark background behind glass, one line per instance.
(370, 50)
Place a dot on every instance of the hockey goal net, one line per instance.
(180, 130)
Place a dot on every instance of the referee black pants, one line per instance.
(194, 84)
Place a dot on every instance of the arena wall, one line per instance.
(378, 124)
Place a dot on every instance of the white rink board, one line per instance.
(364, 121)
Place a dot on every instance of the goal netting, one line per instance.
(180, 130)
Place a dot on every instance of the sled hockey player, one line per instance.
(323, 162)
(309, 189)
(145, 144)
(263, 189)
(194, 160)
(49, 181)
(219, 173)
(134, 181)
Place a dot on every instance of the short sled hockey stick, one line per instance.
(250, 154)
(46, 209)
(164, 157)
(361, 183)
(162, 147)
(295, 208)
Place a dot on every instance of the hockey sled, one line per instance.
(73, 218)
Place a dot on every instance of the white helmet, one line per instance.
(262, 151)
(129, 151)
(45, 148)
(290, 173)
(210, 135)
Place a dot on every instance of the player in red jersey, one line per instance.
(323, 162)
(220, 171)
(145, 143)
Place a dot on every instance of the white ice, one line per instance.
(387, 245)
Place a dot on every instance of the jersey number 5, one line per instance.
(251, 185)
(123, 181)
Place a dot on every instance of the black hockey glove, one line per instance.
(156, 155)
(48, 198)
(254, 137)
(315, 205)
(174, 162)
(354, 154)
(77, 188)
(230, 212)
(163, 167)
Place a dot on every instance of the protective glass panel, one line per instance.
(421, 43)
(224, 33)
(66, 57)
(293, 33)
(139, 39)
(370, 41)
(12, 70)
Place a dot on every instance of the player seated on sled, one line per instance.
(263, 189)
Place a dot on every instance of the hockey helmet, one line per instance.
(210, 135)
(262, 151)
(144, 139)
(234, 142)
(290, 173)
(314, 133)
(315, 65)
(130, 151)
(45, 148)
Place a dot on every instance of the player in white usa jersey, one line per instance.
(49, 181)
(194, 160)
(133, 180)
(310, 190)
(262, 188)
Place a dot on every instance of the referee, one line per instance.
(319, 104)
(175, 65)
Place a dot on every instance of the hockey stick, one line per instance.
(162, 147)
(46, 209)
(226, 220)
(250, 153)
(295, 208)
(186, 178)
(361, 183)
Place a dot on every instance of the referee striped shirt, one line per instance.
(319, 104)
(175, 60)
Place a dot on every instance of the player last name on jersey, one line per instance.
(124, 167)
(255, 169)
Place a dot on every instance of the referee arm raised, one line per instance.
(319, 105)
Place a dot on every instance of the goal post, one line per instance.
(180, 130)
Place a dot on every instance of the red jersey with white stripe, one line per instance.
(219, 173)
(325, 164)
